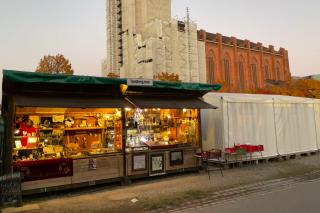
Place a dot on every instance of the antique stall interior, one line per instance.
(161, 128)
(49, 133)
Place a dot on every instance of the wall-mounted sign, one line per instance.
(139, 82)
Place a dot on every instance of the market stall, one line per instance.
(63, 130)
(68, 131)
(164, 131)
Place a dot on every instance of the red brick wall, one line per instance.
(218, 47)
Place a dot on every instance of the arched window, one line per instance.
(227, 69)
(253, 73)
(266, 70)
(278, 71)
(211, 64)
(241, 72)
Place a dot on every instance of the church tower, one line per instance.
(114, 42)
(143, 41)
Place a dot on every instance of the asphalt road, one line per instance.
(299, 198)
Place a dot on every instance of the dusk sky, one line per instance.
(30, 29)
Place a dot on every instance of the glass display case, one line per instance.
(46, 133)
(162, 128)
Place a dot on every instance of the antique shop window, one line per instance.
(42, 133)
(156, 128)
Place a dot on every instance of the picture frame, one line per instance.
(139, 162)
(46, 122)
(176, 158)
(92, 164)
(157, 164)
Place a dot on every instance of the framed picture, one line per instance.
(176, 158)
(157, 164)
(139, 162)
(92, 164)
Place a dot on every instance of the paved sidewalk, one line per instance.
(237, 194)
(295, 198)
(149, 194)
(25, 208)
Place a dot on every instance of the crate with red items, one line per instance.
(230, 150)
(248, 148)
(259, 148)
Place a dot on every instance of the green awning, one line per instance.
(35, 78)
(187, 86)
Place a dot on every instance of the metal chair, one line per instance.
(213, 160)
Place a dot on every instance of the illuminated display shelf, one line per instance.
(74, 129)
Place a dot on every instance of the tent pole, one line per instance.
(275, 126)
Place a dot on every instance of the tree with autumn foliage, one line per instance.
(308, 88)
(112, 75)
(55, 65)
(164, 76)
(225, 88)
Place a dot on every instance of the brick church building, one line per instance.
(144, 41)
(242, 65)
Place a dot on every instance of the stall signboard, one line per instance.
(139, 82)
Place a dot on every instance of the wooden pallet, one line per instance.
(298, 155)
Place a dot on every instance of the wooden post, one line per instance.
(125, 180)
(9, 115)
(199, 127)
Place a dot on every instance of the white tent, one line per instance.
(317, 120)
(284, 125)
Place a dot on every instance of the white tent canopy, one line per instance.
(284, 125)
